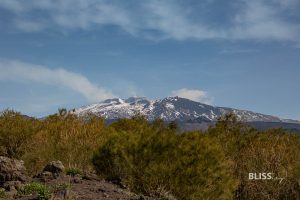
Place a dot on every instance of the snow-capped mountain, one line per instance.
(169, 109)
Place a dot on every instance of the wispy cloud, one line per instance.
(255, 20)
(193, 94)
(238, 51)
(20, 71)
(263, 21)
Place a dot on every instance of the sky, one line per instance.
(70, 53)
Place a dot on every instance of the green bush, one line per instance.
(16, 132)
(251, 151)
(34, 187)
(73, 171)
(67, 138)
(275, 153)
(202, 170)
(2, 194)
(157, 161)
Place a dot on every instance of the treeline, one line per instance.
(152, 158)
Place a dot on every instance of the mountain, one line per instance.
(172, 108)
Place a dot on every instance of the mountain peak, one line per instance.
(169, 109)
(135, 99)
(113, 101)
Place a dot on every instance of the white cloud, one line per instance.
(238, 51)
(255, 19)
(264, 22)
(20, 71)
(171, 20)
(192, 94)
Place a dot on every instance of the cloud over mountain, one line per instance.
(192, 94)
(20, 71)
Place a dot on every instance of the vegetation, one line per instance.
(34, 187)
(60, 187)
(152, 158)
(67, 138)
(16, 132)
(2, 194)
(73, 171)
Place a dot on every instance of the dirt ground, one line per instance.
(86, 188)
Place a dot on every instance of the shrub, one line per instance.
(16, 132)
(156, 161)
(2, 194)
(34, 187)
(67, 138)
(201, 168)
(251, 151)
(273, 153)
(73, 171)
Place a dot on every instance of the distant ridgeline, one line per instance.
(190, 115)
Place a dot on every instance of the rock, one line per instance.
(77, 179)
(29, 197)
(91, 177)
(101, 190)
(55, 167)
(12, 170)
(12, 185)
(12, 193)
(62, 194)
(45, 176)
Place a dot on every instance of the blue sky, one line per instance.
(69, 53)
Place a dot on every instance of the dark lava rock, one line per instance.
(55, 167)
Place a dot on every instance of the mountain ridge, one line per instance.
(170, 109)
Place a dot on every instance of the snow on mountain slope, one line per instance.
(169, 109)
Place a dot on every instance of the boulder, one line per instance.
(12, 185)
(91, 177)
(12, 170)
(55, 167)
(44, 177)
(77, 179)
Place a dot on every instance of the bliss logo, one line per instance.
(260, 176)
(263, 176)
